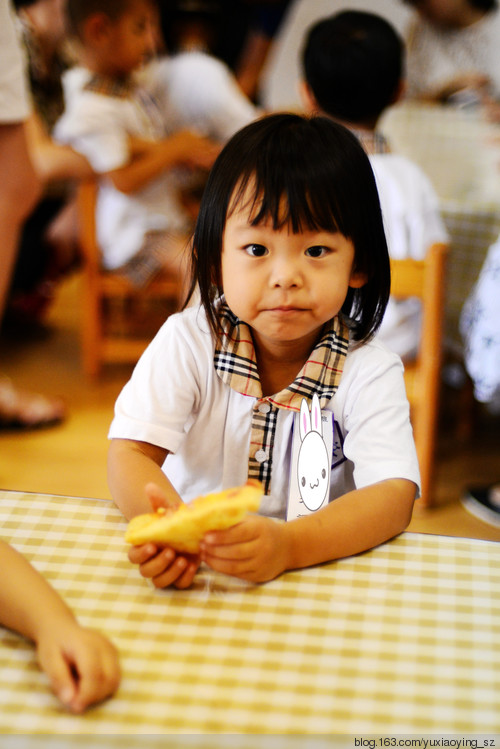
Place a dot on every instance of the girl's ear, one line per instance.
(357, 279)
(400, 91)
(96, 28)
(307, 98)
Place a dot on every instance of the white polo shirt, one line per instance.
(175, 400)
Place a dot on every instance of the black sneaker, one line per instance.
(484, 503)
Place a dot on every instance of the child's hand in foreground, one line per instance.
(253, 550)
(162, 564)
(82, 664)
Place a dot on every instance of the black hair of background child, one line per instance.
(353, 63)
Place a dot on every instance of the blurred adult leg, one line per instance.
(19, 190)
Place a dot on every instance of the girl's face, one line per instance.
(285, 286)
(132, 39)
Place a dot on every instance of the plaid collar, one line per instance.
(372, 141)
(153, 125)
(100, 84)
(235, 363)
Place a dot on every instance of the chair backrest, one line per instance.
(424, 279)
(108, 298)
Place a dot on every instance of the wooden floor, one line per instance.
(71, 459)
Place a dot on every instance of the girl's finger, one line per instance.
(60, 675)
(187, 577)
(156, 496)
(141, 554)
(158, 564)
(172, 574)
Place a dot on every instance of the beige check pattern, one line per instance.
(403, 639)
(235, 362)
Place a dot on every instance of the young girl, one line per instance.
(291, 262)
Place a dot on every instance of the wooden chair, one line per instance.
(424, 279)
(112, 330)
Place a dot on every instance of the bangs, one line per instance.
(284, 203)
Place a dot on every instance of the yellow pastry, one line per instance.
(184, 528)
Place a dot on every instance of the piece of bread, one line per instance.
(184, 528)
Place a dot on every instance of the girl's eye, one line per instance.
(256, 250)
(317, 251)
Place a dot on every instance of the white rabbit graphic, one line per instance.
(313, 464)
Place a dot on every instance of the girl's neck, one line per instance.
(279, 364)
(464, 16)
(101, 65)
(470, 16)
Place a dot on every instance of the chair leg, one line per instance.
(466, 412)
(91, 335)
(425, 442)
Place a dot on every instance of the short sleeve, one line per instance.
(157, 403)
(91, 126)
(376, 417)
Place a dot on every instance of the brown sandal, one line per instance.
(21, 409)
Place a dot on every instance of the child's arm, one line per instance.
(183, 148)
(132, 465)
(138, 484)
(82, 665)
(54, 161)
(259, 549)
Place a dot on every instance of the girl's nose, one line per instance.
(285, 275)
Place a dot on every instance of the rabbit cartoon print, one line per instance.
(311, 460)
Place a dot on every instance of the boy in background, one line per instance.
(353, 71)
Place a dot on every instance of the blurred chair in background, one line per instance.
(424, 279)
(118, 320)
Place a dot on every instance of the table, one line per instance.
(403, 639)
(460, 152)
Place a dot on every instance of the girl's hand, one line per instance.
(82, 664)
(162, 564)
(255, 549)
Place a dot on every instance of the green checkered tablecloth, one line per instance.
(402, 639)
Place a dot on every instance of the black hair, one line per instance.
(77, 11)
(318, 170)
(353, 63)
(484, 4)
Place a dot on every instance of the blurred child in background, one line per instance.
(353, 66)
(114, 117)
